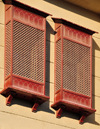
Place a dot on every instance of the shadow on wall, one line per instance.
(47, 74)
(43, 107)
(49, 30)
(74, 8)
(95, 47)
(90, 119)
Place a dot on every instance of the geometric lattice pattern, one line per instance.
(76, 67)
(8, 50)
(58, 66)
(28, 52)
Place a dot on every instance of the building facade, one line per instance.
(18, 114)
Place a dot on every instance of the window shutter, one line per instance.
(73, 69)
(25, 53)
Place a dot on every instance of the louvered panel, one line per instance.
(28, 52)
(76, 67)
(58, 66)
(8, 50)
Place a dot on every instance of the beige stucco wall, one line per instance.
(19, 115)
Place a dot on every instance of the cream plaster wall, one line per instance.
(19, 114)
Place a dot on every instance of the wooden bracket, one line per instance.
(58, 113)
(34, 108)
(82, 119)
(8, 100)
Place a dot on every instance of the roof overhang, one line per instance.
(92, 5)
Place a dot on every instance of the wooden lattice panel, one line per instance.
(76, 67)
(28, 52)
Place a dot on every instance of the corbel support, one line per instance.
(8, 100)
(82, 119)
(58, 113)
(35, 106)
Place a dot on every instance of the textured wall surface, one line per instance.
(19, 114)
